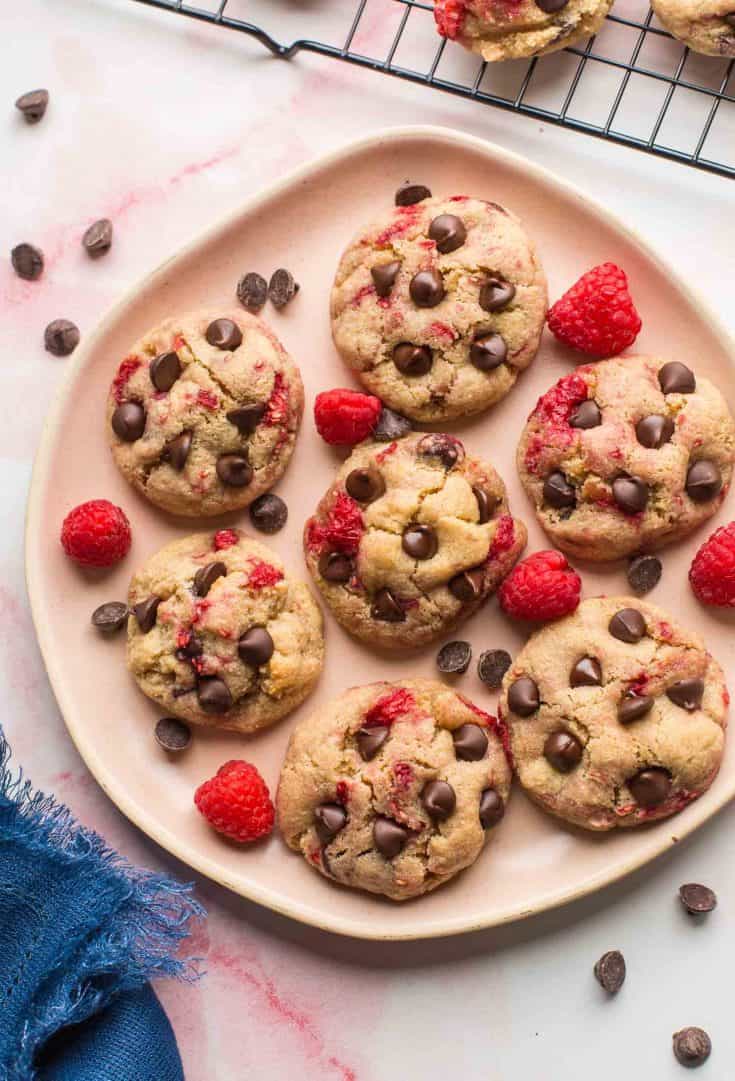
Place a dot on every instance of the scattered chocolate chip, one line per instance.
(419, 541)
(213, 694)
(686, 693)
(33, 105)
(492, 808)
(165, 369)
(176, 451)
(282, 288)
(97, 240)
(587, 672)
(27, 261)
(389, 837)
(692, 1046)
(329, 819)
(650, 787)
(252, 291)
(488, 351)
(454, 658)
(255, 647)
(427, 289)
(145, 613)
(412, 359)
(370, 740)
(191, 649)
(366, 484)
(563, 751)
(676, 378)
(448, 232)
(644, 573)
(485, 505)
(495, 293)
(246, 418)
(223, 334)
(268, 513)
(128, 421)
(408, 194)
(234, 470)
(206, 576)
(467, 585)
(110, 617)
(634, 706)
(336, 566)
(551, 6)
(523, 696)
(627, 625)
(391, 426)
(61, 337)
(386, 608)
(438, 799)
(470, 742)
(172, 734)
(586, 415)
(558, 492)
(384, 276)
(654, 430)
(492, 666)
(446, 448)
(697, 899)
(630, 494)
(610, 971)
(703, 482)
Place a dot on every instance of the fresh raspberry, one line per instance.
(597, 315)
(236, 802)
(345, 417)
(712, 573)
(449, 16)
(96, 534)
(541, 587)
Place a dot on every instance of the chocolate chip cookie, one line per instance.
(626, 455)
(617, 715)
(220, 635)
(707, 26)
(203, 412)
(412, 537)
(394, 787)
(438, 305)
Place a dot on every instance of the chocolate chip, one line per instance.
(223, 334)
(419, 541)
(412, 359)
(703, 482)
(384, 276)
(692, 1046)
(686, 693)
(282, 288)
(246, 418)
(206, 576)
(252, 291)
(329, 819)
(110, 617)
(336, 566)
(214, 695)
(730, 19)
(558, 492)
(128, 421)
(488, 351)
(467, 585)
(234, 470)
(697, 899)
(370, 740)
(650, 787)
(61, 337)
(389, 837)
(145, 613)
(523, 696)
(255, 647)
(630, 494)
(634, 706)
(165, 369)
(97, 240)
(386, 608)
(627, 625)
(654, 430)
(427, 289)
(586, 415)
(191, 649)
(492, 808)
(610, 971)
(391, 426)
(454, 658)
(485, 505)
(448, 232)
(644, 573)
(551, 6)
(176, 451)
(446, 448)
(495, 293)
(33, 105)
(172, 734)
(492, 666)
(438, 799)
(563, 751)
(676, 378)
(470, 742)
(365, 484)
(408, 194)
(587, 672)
(27, 261)
(268, 513)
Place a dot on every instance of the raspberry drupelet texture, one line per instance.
(540, 588)
(597, 315)
(345, 417)
(712, 573)
(236, 802)
(96, 533)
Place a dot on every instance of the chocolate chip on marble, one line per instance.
(692, 1047)
(97, 240)
(558, 492)
(384, 276)
(587, 672)
(467, 585)
(412, 359)
(172, 734)
(223, 334)
(704, 481)
(644, 572)
(686, 693)
(252, 291)
(454, 658)
(391, 426)
(426, 288)
(492, 808)
(408, 194)
(27, 261)
(61, 337)
(634, 706)
(654, 430)
(234, 470)
(128, 421)
(630, 494)
(488, 351)
(676, 378)
(650, 787)
(213, 694)
(329, 819)
(336, 566)
(610, 971)
(495, 293)
(206, 576)
(246, 418)
(492, 666)
(446, 448)
(145, 613)
(255, 647)
(586, 415)
(282, 288)
(176, 451)
(386, 608)
(470, 742)
(627, 625)
(563, 751)
(697, 899)
(419, 541)
(389, 837)
(439, 799)
(165, 369)
(523, 696)
(268, 513)
(110, 617)
(485, 505)
(551, 6)
(370, 740)
(448, 232)
(33, 105)
(365, 484)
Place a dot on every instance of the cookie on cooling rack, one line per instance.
(706, 26)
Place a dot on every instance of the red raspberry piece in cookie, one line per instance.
(236, 802)
(345, 417)
(342, 530)
(96, 533)
(597, 315)
(712, 573)
(449, 16)
(540, 588)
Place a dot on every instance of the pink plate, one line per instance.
(303, 222)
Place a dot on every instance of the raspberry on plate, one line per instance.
(597, 315)
(96, 533)
(541, 587)
(345, 417)
(236, 802)
(712, 573)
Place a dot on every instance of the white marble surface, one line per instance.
(163, 124)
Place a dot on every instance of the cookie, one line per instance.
(626, 455)
(511, 29)
(394, 787)
(617, 715)
(220, 635)
(203, 412)
(706, 26)
(411, 537)
(438, 305)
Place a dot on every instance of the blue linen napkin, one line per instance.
(81, 933)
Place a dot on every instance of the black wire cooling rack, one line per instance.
(632, 83)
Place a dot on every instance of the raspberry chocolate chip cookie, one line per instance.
(706, 26)
(439, 305)
(617, 715)
(393, 787)
(203, 412)
(412, 537)
(626, 455)
(218, 633)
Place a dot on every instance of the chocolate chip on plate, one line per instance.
(110, 616)
(523, 696)
(697, 899)
(224, 334)
(384, 276)
(439, 799)
(692, 1046)
(206, 576)
(391, 426)
(408, 194)
(386, 608)
(492, 666)
(676, 378)
(627, 625)
(389, 837)
(586, 415)
(587, 672)
(448, 232)
(282, 288)
(470, 742)
(644, 572)
(255, 647)
(172, 734)
(492, 808)
(329, 819)
(234, 470)
(33, 105)
(495, 293)
(370, 740)
(610, 971)
(630, 494)
(454, 658)
(214, 694)
(176, 451)
(419, 541)
(128, 421)
(97, 240)
(246, 418)
(145, 613)
(268, 513)
(563, 751)
(61, 337)
(488, 351)
(27, 261)
(427, 288)
(704, 481)
(252, 291)
(336, 566)
(164, 370)
(412, 359)
(366, 484)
